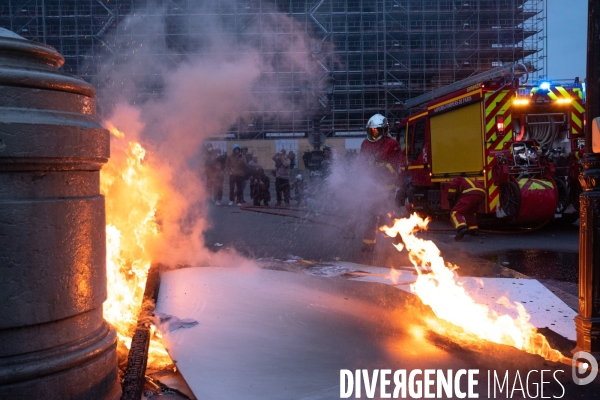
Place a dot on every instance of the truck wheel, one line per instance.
(510, 199)
(563, 196)
(574, 192)
(568, 219)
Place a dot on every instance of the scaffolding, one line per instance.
(369, 56)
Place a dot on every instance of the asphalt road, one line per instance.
(549, 254)
(334, 236)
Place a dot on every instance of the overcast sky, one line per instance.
(567, 38)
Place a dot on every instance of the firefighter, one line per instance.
(380, 155)
(467, 195)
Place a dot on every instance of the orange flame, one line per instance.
(395, 275)
(114, 131)
(132, 190)
(437, 287)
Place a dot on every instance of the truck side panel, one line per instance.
(456, 141)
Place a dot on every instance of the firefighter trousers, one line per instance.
(376, 217)
(464, 211)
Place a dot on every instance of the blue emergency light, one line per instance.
(545, 86)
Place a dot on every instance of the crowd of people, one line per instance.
(243, 167)
(380, 159)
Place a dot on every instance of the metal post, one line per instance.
(587, 322)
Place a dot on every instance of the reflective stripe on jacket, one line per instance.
(462, 185)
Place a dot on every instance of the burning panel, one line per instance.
(437, 285)
(544, 307)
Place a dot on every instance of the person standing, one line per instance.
(292, 156)
(467, 195)
(327, 162)
(218, 168)
(207, 169)
(300, 190)
(282, 177)
(260, 187)
(247, 175)
(253, 163)
(236, 167)
(380, 155)
(253, 168)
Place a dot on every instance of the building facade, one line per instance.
(366, 56)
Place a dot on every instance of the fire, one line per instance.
(395, 275)
(437, 287)
(132, 190)
(114, 131)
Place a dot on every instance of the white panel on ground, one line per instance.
(544, 307)
(546, 310)
(266, 334)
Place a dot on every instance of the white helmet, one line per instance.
(299, 177)
(377, 127)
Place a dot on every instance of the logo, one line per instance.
(580, 367)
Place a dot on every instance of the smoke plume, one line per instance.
(171, 98)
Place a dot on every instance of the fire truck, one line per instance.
(521, 141)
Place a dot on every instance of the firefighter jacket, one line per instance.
(236, 165)
(382, 158)
(460, 186)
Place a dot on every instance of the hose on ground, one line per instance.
(269, 211)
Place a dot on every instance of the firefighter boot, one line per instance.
(474, 232)
(462, 231)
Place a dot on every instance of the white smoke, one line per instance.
(171, 101)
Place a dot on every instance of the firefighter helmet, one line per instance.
(377, 128)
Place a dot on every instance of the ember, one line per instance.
(438, 288)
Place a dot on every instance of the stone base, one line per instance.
(82, 370)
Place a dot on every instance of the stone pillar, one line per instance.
(54, 342)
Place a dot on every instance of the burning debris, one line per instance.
(437, 287)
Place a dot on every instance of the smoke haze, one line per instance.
(171, 103)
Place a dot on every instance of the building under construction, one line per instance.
(369, 55)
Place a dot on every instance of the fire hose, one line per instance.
(267, 210)
(544, 132)
(264, 210)
(520, 231)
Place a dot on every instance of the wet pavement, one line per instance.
(543, 264)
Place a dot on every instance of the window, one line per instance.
(402, 137)
(418, 141)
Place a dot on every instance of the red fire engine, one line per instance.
(520, 140)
